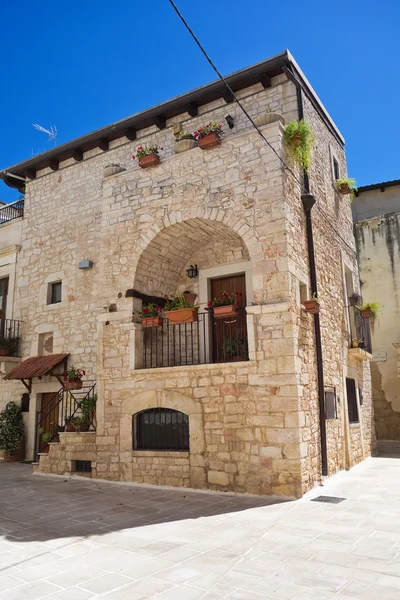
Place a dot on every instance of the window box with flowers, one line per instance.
(150, 315)
(225, 306)
(184, 141)
(179, 310)
(209, 136)
(148, 156)
(73, 379)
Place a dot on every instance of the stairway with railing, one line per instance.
(77, 408)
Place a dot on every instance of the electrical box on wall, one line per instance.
(85, 264)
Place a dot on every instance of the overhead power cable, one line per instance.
(236, 99)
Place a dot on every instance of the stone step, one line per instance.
(388, 448)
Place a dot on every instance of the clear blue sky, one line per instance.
(83, 64)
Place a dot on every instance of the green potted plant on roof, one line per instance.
(12, 437)
(299, 140)
(148, 156)
(346, 186)
(224, 306)
(184, 141)
(150, 315)
(209, 136)
(268, 117)
(73, 379)
(179, 310)
(112, 169)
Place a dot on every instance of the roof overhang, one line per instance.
(261, 72)
(377, 186)
(36, 366)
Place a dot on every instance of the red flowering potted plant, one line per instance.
(150, 315)
(179, 310)
(73, 379)
(224, 306)
(148, 156)
(184, 141)
(209, 136)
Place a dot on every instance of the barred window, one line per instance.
(160, 429)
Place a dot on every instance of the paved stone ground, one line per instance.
(69, 539)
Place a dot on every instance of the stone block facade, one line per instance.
(254, 425)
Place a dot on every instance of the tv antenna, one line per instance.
(51, 132)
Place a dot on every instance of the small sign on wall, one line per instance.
(380, 355)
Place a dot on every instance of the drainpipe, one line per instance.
(308, 202)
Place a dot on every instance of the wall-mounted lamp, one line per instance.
(85, 264)
(229, 121)
(192, 272)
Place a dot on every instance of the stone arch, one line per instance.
(211, 239)
(181, 402)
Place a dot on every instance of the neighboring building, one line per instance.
(224, 405)
(10, 244)
(376, 214)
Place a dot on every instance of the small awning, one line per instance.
(37, 366)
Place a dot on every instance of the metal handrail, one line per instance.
(12, 211)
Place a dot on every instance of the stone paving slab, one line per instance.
(75, 539)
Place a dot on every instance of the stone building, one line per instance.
(376, 214)
(178, 404)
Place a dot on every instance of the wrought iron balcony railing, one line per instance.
(207, 340)
(360, 330)
(10, 337)
(12, 211)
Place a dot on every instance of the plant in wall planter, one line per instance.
(12, 437)
(224, 306)
(148, 156)
(356, 343)
(299, 140)
(150, 315)
(371, 310)
(80, 424)
(179, 310)
(209, 136)
(184, 141)
(346, 186)
(312, 306)
(268, 117)
(73, 379)
(112, 169)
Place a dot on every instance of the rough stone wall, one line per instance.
(254, 425)
(378, 246)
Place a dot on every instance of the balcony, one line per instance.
(208, 340)
(10, 337)
(12, 211)
(360, 341)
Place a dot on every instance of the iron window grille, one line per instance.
(83, 466)
(160, 429)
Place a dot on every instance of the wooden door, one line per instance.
(3, 303)
(229, 336)
(49, 413)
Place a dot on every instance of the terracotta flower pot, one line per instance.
(84, 427)
(311, 306)
(183, 145)
(223, 312)
(4, 352)
(73, 385)
(150, 160)
(69, 428)
(190, 297)
(16, 455)
(344, 189)
(209, 141)
(151, 321)
(366, 312)
(183, 315)
(268, 117)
